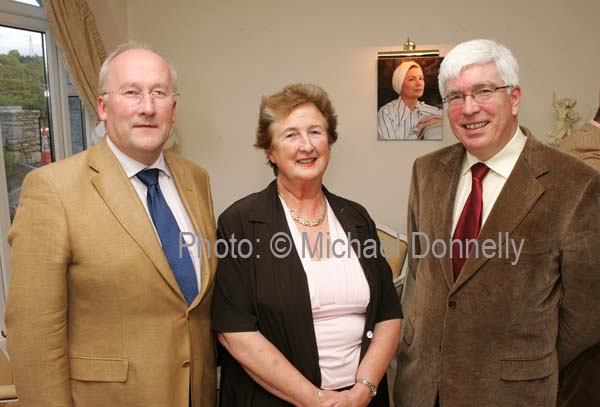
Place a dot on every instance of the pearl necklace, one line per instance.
(301, 220)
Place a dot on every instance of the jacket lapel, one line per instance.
(520, 193)
(354, 225)
(448, 174)
(201, 218)
(116, 190)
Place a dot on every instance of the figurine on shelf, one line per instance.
(565, 118)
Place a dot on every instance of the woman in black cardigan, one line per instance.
(305, 319)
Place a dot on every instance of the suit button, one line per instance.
(186, 363)
(369, 334)
(451, 304)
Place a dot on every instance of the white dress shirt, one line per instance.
(395, 121)
(169, 191)
(501, 165)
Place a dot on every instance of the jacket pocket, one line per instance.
(527, 369)
(98, 369)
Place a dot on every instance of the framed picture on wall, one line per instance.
(409, 105)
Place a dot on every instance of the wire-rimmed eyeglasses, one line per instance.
(135, 96)
(479, 95)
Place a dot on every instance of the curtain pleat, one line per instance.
(80, 44)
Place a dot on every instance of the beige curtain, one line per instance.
(78, 40)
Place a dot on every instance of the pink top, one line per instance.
(339, 295)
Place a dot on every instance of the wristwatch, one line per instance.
(372, 388)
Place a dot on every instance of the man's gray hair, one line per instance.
(127, 47)
(478, 52)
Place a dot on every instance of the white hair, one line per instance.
(478, 52)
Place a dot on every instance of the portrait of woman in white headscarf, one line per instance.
(407, 118)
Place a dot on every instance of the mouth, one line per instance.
(145, 126)
(306, 161)
(475, 126)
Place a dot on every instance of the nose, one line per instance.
(306, 144)
(470, 106)
(146, 105)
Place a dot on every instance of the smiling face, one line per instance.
(138, 129)
(483, 128)
(414, 83)
(299, 146)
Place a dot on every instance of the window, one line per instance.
(30, 2)
(41, 117)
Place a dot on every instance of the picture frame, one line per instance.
(416, 115)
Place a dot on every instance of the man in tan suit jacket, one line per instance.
(494, 331)
(579, 380)
(585, 143)
(95, 315)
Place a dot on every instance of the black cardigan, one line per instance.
(270, 294)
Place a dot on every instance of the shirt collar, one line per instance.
(503, 162)
(131, 166)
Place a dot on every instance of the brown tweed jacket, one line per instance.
(498, 335)
(579, 380)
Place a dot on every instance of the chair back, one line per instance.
(394, 247)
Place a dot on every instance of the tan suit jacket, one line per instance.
(497, 336)
(95, 317)
(584, 144)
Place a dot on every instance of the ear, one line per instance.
(173, 114)
(101, 104)
(516, 100)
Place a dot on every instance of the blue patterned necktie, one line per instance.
(169, 233)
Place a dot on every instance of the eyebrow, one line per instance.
(311, 127)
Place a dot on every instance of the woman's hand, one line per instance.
(357, 396)
(428, 121)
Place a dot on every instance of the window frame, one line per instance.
(29, 17)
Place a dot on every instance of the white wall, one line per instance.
(229, 53)
(111, 18)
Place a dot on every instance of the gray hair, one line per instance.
(478, 52)
(127, 47)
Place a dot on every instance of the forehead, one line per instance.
(473, 75)
(138, 66)
(306, 114)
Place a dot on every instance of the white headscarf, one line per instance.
(400, 74)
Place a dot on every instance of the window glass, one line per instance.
(31, 2)
(24, 112)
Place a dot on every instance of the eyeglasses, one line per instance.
(479, 95)
(135, 96)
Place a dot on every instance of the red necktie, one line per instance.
(469, 223)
